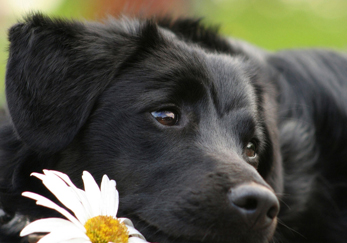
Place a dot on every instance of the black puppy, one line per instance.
(204, 135)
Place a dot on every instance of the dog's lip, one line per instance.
(196, 238)
(160, 233)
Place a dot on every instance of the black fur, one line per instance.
(80, 97)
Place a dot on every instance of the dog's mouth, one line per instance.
(208, 235)
(155, 234)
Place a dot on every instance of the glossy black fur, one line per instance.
(80, 97)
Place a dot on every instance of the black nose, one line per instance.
(255, 203)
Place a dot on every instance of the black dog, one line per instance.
(204, 135)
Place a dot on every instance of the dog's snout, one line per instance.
(255, 203)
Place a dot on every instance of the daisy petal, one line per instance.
(63, 193)
(46, 225)
(79, 240)
(104, 197)
(63, 234)
(40, 200)
(110, 197)
(80, 193)
(136, 240)
(84, 200)
(131, 228)
(126, 221)
(92, 192)
(135, 232)
(114, 195)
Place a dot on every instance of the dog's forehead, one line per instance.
(174, 70)
(226, 79)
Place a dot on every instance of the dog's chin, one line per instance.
(208, 235)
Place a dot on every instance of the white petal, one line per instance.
(64, 177)
(79, 240)
(38, 175)
(110, 197)
(63, 193)
(47, 225)
(114, 195)
(40, 200)
(104, 196)
(135, 232)
(136, 240)
(131, 228)
(126, 221)
(92, 192)
(85, 202)
(63, 235)
(81, 194)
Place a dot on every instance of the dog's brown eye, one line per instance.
(250, 150)
(167, 118)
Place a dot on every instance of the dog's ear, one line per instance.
(56, 70)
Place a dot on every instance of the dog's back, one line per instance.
(312, 118)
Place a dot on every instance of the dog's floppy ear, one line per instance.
(56, 70)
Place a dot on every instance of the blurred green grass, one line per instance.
(271, 24)
(278, 24)
(3, 56)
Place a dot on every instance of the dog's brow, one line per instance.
(229, 87)
(227, 100)
(191, 89)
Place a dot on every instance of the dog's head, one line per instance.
(184, 124)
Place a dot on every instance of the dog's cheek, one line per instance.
(271, 161)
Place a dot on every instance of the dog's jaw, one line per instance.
(155, 234)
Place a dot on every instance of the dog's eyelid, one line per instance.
(161, 106)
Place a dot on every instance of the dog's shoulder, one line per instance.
(312, 82)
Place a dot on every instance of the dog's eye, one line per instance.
(250, 150)
(167, 118)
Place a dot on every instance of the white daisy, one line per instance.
(95, 211)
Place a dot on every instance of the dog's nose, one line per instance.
(255, 203)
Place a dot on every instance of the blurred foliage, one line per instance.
(277, 24)
(271, 24)
(3, 56)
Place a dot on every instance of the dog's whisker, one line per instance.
(289, 228)
(284, 203)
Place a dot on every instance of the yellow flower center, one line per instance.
(104, 229)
